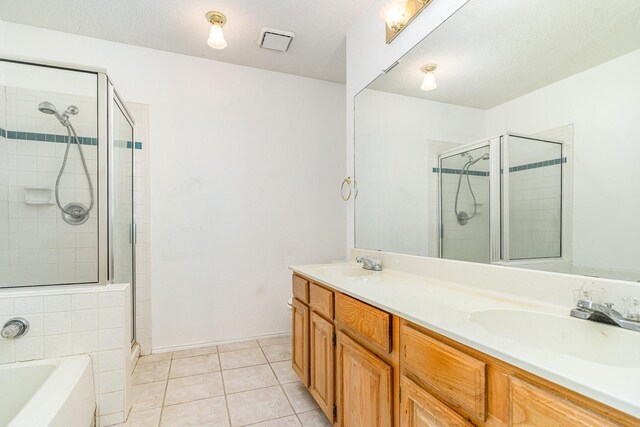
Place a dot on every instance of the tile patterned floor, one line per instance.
(243, 384)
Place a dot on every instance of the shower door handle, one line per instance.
(133, 233)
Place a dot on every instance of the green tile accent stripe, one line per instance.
(459, 171)
(528, 166)
(537, 165)
(48, 137)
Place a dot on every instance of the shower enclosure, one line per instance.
(501, 199)
(66, 177)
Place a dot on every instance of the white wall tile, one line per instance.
(55, 303)
(110, 317)
(26, 305)
(57, 345)
(57, 323)
(29, 348)
(84, 301)
(111, 381)
(84, 342)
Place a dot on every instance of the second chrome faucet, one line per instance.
(373, 264)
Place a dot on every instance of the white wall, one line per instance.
(244, 171)
(368, 54)
(602, 104)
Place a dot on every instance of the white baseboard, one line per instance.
(168, 349)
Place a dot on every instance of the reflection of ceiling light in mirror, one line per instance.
(394, 14)
(429, 81)
(216, 36)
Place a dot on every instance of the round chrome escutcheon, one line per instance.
(75, 214)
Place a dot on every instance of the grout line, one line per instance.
(280, 385)
(166, 387)
(224, 390)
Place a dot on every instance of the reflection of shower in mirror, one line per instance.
(461, 216)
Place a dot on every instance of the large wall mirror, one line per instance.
(521, 147)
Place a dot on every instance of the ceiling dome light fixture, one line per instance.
(216, 36)
(429, 81)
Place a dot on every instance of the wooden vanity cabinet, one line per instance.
(364, 386)
(322, 356)
(300, 340)
(367, 368)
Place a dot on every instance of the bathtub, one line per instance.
(50, 392)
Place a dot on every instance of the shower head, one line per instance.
(47, 108)
(473, 162)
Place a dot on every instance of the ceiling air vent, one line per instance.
(276, 39)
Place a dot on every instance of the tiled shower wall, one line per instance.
(535, 191)
(36, 245)
(468, 242)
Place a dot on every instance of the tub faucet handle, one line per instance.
(15, 328)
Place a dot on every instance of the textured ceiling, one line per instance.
(180, 26)
(492, 51)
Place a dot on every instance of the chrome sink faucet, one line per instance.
(373, 264)
(603, 313)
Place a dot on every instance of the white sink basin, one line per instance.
(346, 270)
(583, 339)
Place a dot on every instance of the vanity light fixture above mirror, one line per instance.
(397, 14)
(429, 80)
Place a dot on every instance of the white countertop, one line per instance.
(448, 309)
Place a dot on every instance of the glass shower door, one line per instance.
(122, 219)
(532, 198)
(465, 232)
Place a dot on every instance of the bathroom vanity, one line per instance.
(391, 348)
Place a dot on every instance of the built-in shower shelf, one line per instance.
(38, 196)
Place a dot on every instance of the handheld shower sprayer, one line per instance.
(73, 213)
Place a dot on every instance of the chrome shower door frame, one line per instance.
(113, 98)
(503, 191)
(494, 193)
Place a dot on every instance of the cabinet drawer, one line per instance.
(420, 409)
(301, 289)
(371, 323)
(531, 406)
(453, 376)
(321, 300)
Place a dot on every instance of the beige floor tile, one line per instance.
(277, 353)
(208, 412)
(249, 378)
(284, 339)
(194, 365)
(150, 372)
(148, 418)
(314, 419)
(250, 407)
(195, 352)
(237, 346)
(299, 397)
(161, 357)
(284, 372)
(242, 358)
(148, 396)
(186, 389)
(290, 421)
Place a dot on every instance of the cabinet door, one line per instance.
(321, 360)
(364, 390)
(531, 406)
(300, 340)
(420, 409)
